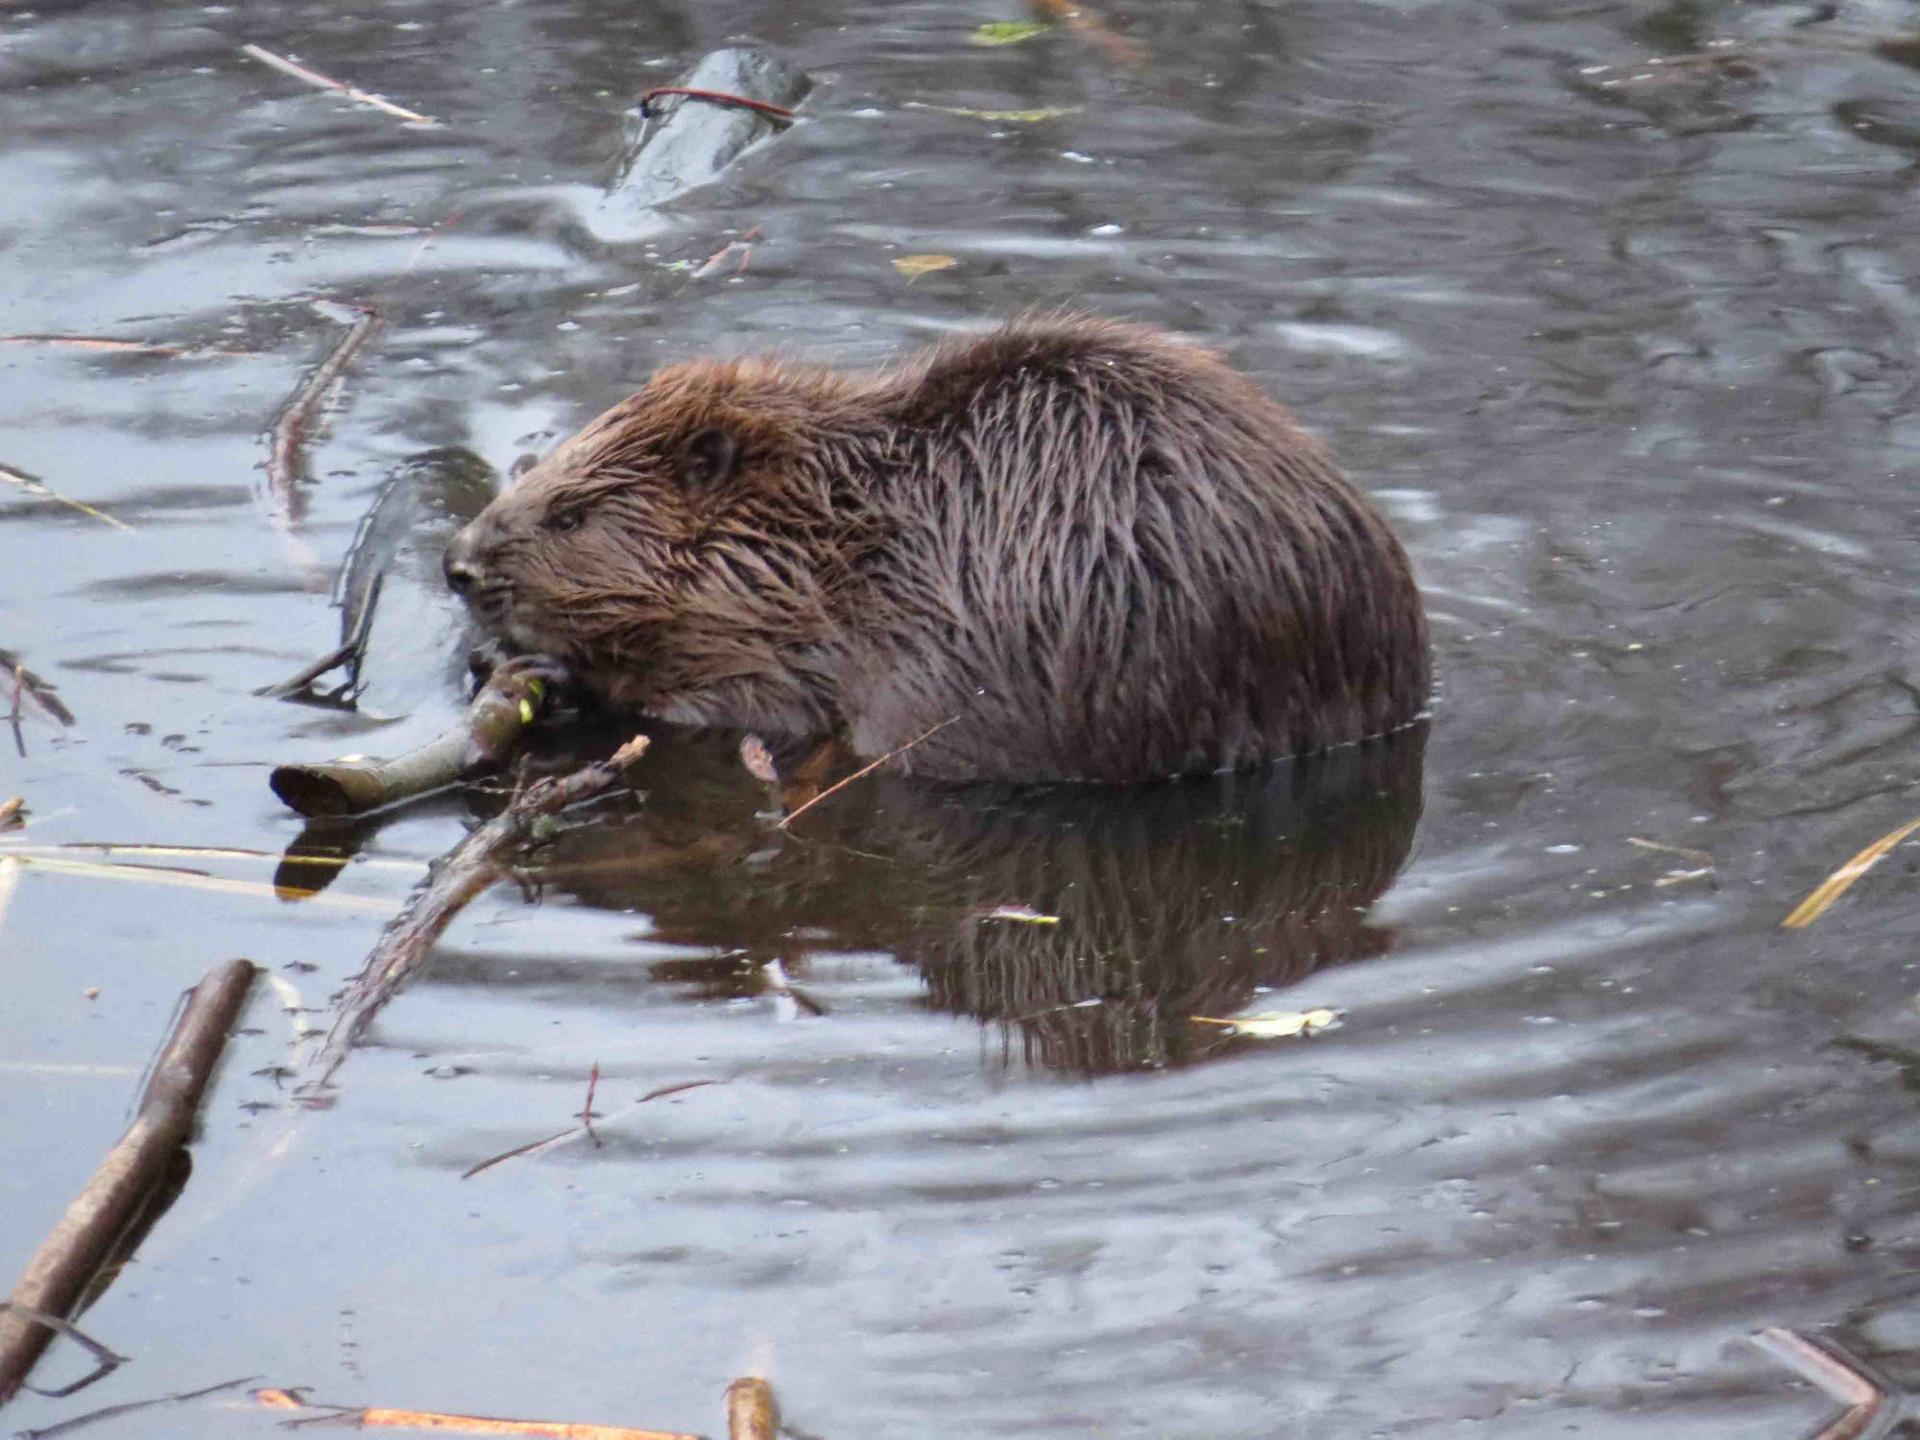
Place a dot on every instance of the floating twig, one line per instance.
(40, 490)
(864, 770)
(1090, 27)
(506, 705)
(373, 1417)
(463, 873)
(1836, 884)
(1699, 857)
(325, 82)
(586, 1108)
(94, 1222)
(128, 1407)
(1844, 1379)
(290, 427)
(433, 234)
(752, 1412)
(97, 342)
(535, 1145)
(180, 879)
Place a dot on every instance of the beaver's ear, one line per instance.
(708, 459)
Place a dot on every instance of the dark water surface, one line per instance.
(1628, 355)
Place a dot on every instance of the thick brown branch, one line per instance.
(85, 1235)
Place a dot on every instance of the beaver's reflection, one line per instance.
(1166, 901)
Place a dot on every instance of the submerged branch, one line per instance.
(467, 870)
(296, 417)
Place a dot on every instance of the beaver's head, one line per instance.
(690, 538)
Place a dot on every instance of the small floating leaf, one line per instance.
(1004, 117)
(1024, 914)
(1007, 32)
(914, 266)
(1278, 1024)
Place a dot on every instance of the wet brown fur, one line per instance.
(1097, 551)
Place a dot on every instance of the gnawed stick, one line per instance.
(376, 1417)
(1845, 1380)
(752, 1412)
(85, 1235)
(296, 416)
(503, 709)
(457, 877)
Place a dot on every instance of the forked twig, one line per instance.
(864, 770)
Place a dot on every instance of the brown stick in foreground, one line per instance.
(752, 1412)
(457, 877)
(503, 709)
(85, 1235)
(296, 417)
(1843, 1378)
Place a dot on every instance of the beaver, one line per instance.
(1068, 549)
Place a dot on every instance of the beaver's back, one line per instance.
(1110, 557)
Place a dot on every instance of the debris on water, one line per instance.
(339, 87)
(914, 266)
(1007, 32)
(1024, 914)
(1278, 1024)
(40, 490)
(1837, 884)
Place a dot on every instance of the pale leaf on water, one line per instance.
(1007, 32)
(1277, 1024)
(1023, 914)
(914, 266)
(1003, 117)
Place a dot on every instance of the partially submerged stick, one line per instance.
(374, 1417)
(467, 870)
(85, 1235)
(686, 139)
(296, 417)
(752, 1412)
(1870, 1410)
(506, 705)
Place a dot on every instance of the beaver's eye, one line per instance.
(564, 520)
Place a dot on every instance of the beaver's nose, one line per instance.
(461, 562)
